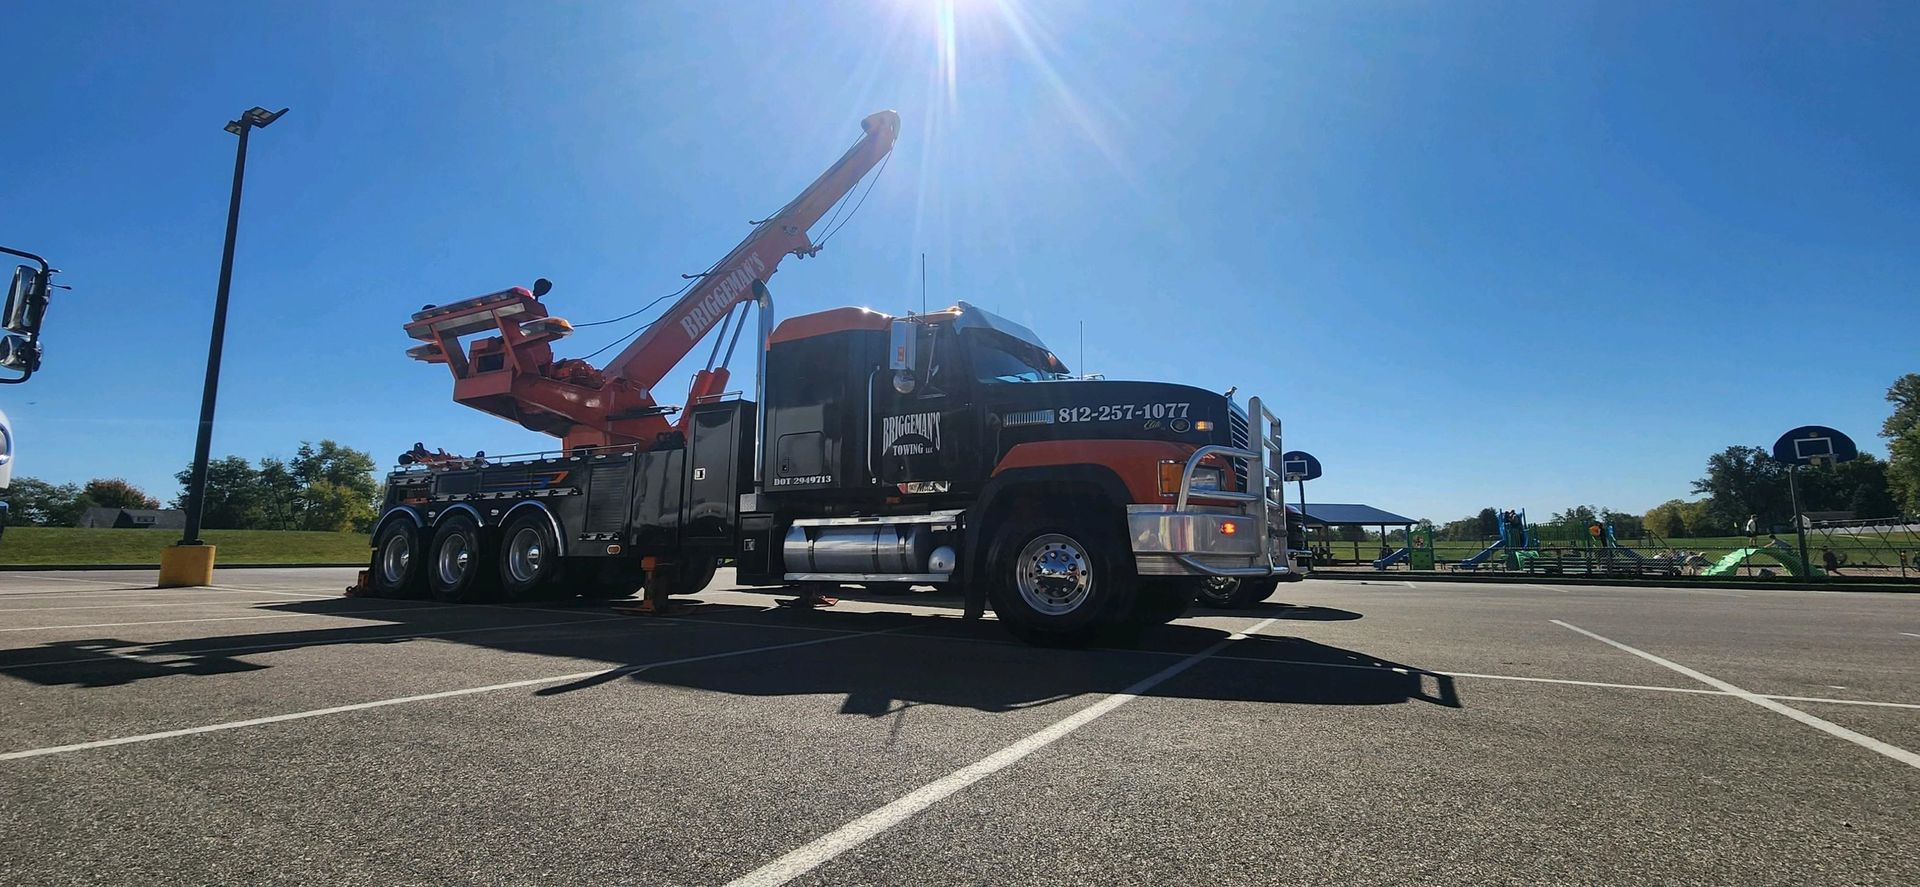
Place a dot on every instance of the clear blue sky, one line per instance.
(1518, 254)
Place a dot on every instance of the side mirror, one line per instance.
(26, 301)
(16, 353)
(902, 345)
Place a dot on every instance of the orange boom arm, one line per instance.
(513, 374)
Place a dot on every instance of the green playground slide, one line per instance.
(1785, 556)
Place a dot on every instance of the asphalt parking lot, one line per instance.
(269, 730)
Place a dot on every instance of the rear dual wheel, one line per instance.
(530, 565)
(460, 568)
(398, 566)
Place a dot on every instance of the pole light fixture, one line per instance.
(191, 561)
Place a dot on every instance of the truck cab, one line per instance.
(938, 446)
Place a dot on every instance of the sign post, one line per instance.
(1809, 445)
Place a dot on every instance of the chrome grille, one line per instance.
(1237, 437)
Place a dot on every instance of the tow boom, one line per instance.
(513, 374)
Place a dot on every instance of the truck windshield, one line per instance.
(998, 358)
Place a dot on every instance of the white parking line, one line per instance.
(1864, 741)
(816, 853)
(1549, 588)
(227, 618)
(424, 697)
(1910, 634)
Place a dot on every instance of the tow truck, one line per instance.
(20, 318)
(951, 449)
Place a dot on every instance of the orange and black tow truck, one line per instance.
(951, 449)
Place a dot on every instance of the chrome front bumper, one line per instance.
(1244, 538)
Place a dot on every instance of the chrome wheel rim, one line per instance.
(1219, 589)
(452, 560)
(1055, 574)
(524, 554)
(394, 558)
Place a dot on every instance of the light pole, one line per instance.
(191, 561)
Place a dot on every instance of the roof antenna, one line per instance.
(1083, 348)
(923, 283)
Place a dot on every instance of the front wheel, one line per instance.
(1059, 581)
(1226, 593)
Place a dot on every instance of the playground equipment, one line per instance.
(1780, 552)
(1516, 538)
(1418, 552)
(1599, 552)
(1420, 547)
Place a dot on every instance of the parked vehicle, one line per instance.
(951, 449)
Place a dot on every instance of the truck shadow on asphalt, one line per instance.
(908, 659)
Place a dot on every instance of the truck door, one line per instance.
(920, 434)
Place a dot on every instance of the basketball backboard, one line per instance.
(1814, 445)
(1298, 465)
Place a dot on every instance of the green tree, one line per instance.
(325, 486)
(1465, 529)
(1353, 534)
(1667, 519)
(1489, 523)
(234, 496)
(1745, 480)
(1902, 431)
(338, 486)
(33, 502)
(281, 501)
(1625, 526)
(1700, 522)
(113, 492)
(1859, 486)
(336, 508)
(1572, 523)
(1903, 471)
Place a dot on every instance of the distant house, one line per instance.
(133, 518)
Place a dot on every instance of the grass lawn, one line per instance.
(72, 545)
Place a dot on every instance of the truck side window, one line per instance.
(932, 361)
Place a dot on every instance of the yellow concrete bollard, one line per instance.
(186, 565)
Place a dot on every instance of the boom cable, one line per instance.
(832, 230)
(623, 339)
(692, 279)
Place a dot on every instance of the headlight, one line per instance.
(1205, 478)
(6, 445)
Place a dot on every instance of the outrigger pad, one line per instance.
(474, 315)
